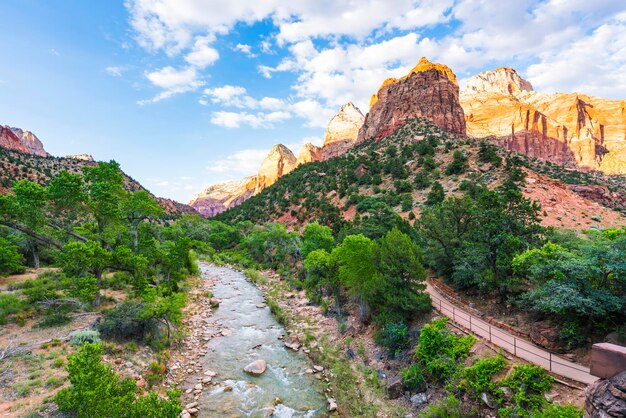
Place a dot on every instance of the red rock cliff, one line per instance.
(429, 91)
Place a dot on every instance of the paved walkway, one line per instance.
(517, 346)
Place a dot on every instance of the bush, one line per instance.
(11, 261)
(439, 351)
(9, 305)
(394, 337)
(54, 318)
(413, 376)
(449, 407)
(96, 391)
(85, 336)
(559, 411)
(436, 194)
(478, 378)
(458, 165)
(528, 384)
(126, 321)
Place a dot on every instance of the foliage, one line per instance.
(316, 237)
(559, 411)
(458, 164)
(528, 384)
(11, 261)
(435, 195)
(9, 305)
(394, 337)
(84, 336)
(439, 351)
(478, 378)
(449, 407)
(413, 376)
(96, 391)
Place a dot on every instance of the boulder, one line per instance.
(606, 398)
(395, 387)
(215, 302)
(419, 399)
(256, 368)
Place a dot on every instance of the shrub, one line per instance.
(9, 305)
(96, 391)
(449, 407)
(559, 411)
(11, 261)
(413, 376)
(84, 336)
(126, 321)
(458, 165)
(478, 378)
(54, 318)
(528, 384)
(394, 337)
(439, 351)
(436, 194)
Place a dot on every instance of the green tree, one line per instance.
(10, 259)
(436, 194)
(316, 237)
(138, 207)
(322, 275)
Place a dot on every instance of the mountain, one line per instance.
(17, 162)
(342, 131)
(308, 154)
(31, 142)
(340, 136)
(278, 162)
(570, 129)
(428, 91)
(413, 140)
(219, 197)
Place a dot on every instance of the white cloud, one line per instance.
(238, 119)
(115, 71)
(245, 49)
(241, 163)
(172, 82)
(202, 54)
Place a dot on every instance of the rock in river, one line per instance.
(256, 368)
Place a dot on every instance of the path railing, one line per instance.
(517, 346)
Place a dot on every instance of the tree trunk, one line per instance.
(35, 250)
(135, 238)
(97, 299)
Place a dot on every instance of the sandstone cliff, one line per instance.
(278, 162)
(11, 141)
(564, 128)
(308, 154)
(342, 131)
(429, 91)
(219, 197)
(30, 141)
(81, 157)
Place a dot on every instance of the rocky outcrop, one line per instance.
(81, 157)
(308, 154)
(217, 198)
(569, 129)
(607, 398)
(30, 141)
(278, 162)
(342, 131)
(430, 91)
(9, 140)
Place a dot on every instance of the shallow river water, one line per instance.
(254, 336)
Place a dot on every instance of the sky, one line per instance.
(187, 93)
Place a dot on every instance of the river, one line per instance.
(284, 390)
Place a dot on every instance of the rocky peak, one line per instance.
(428, 91)
(30, 141)
(502, 80)
(217, 198)
(278, 162)
(9, 140)
(308, 154)
(342, 131)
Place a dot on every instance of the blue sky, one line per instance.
(185, 93)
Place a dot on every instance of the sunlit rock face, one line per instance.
(342, 131)
(30, 141)
(217, 198)
(564, 128)
(429, 91)
(9, 140)
(278, 162)
(308, 154)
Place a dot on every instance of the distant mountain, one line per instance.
(565, 128)
(414, 139)
(341, 135)
(32, 162)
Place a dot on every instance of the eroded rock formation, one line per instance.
(219, 197)
(342, 131)
(278, 162)
(564, 128)
(9, 140)
(607, 398)
(429, 91)
(30, 141)
(308, 154)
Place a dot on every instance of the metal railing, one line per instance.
(517, 346)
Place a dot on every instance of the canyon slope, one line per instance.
(22, 141)
(565, 128)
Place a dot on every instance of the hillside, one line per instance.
(15, 165)
(397, 173)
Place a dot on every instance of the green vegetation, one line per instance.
(96, 391)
